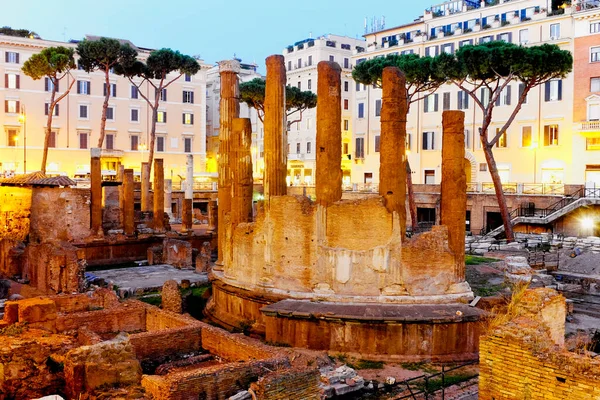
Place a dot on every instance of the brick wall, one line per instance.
(15, 206)
(166, 342)
(289, 384)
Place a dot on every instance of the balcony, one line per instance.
(590, 126)
(586, 5)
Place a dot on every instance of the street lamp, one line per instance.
(23, 120)
(534, 146)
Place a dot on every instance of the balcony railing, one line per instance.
(198, 186)
(590, 126)
(549, 189)
(586, 5)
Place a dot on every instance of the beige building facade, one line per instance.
(540, 146)
(180, 130)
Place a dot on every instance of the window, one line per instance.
(83, 87)
(134, 92)
(357, 87)
(188, 78)
(297, 148)
(308, 147)
(553, 90)
(346, 86)
(83, 140)
(346, 124)
(188, 119)
(49, 85)
(359, 150)
(551, 135)
(526, 137)
(47, 109)
(485, 39)
(595, 27)
(505, 37)
(408, 141)
(430, 178)
(463, 100)
(163, 95)
(11, 57)
(377, 143)
(110, 113)
(592, 143)
(482, 167)
(309, 84)
(431, 51)
(188, 96)
(377, 108)
(595, 84)
(109, 141)
(289, 65)
(12, 137)
(331, 58)
(465, 42)
(484, 96)
(521, 90)
(309, 60)
(346, 63)
(300, 85)
(595, 54)
(430, 103)
(161, 116)
(554, 31)
(448, 48)
(467, 139)
(404, 52)
(524, 36)
(52, 140)
(299, 63)
(187, 145)
(160, 144)
(113, 89)
(346, 106)
(83, 111)
(11, 81)
(346, 148)
(446, 101)
(504, 98)
(11, 106)
(134, 141)
(361, 110)
(135, 115)
(428, 140)
(503, 140)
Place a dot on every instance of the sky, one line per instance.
(213, 29)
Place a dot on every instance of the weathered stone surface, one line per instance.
(4, 288)
(329, 133)
(517, 265)
(145, 187)
(171, 297)
(203, 258)
(96, 189)
(392, 143)
(241, 167)
(111, 214)
(55, 267)
(177, 253)
(159, 196)
(128, 207)
(275, 129)
(454, 187)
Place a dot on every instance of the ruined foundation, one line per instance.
(340, 275)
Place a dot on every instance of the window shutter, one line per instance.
(78, 87)
(89, 87)
(165, 98)
(57, 85)
(546, 135)
(46, 107)
(460, 97)
(560, 89)
(424, 140)
(193, 94)
(466, 97)
(183, 118)
(547, 90)
(104, 92)
(447, 101)
(498, 99)
(6, 81)
(114, 87)
(192, 119)
(18, 107)
(5, 106)
(17, 58)
(6, 56)
(435, 104)
(56, 110)
(425, 103)
(18, 81)
(521, 89)
(432, 140)
(509, 37)
(45, 84)
(165, 114)
(508, 95)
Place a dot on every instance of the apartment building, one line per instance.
(586, 107)
(180, 130)
(301, 60)
(248, 72)
(540, 145)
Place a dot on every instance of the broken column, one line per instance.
(145, 190)
(229, 109)
(168, 197)
(159, 195)
(241, 168)
(120, 178)
(392, 143)
(127, 209)
(329, 133)
(212, 215)
(453, 207)
(188, 201)
(96, 189)
(275, 140)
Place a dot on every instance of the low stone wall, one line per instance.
(55, 267)
(289, 384)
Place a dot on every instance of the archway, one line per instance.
(470, 165)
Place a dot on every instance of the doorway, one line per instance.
(493, 220)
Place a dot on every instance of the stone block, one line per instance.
(517, 265)
(37, 310)
(177, 253)
(171, 298)
(155, 255)
(11, 312)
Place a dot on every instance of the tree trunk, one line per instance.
(48, 126)
(152, 140)
(412, 204)
(104, 107)
(489, 157)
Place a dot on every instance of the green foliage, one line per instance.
(14, 329)
(8, 31)
(435, 384)
(50, 62)
(367, 364)
(476, 260)
(253, 94)
(159, 64)
(104, 54)
(419, 366)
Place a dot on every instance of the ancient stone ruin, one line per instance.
(336, 274)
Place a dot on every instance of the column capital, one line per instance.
(229, 66)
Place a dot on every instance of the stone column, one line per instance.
(229, 109)
(128, 213)
(188, 201)
(453, 208)
(159, 195)
(168, 197)
(241, 167)
(392, 143)
(329, 133)
(275, 140)
(121, 178)
(145, 190)
(96, 189)
(212, 215)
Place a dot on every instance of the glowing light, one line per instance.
(587, 223)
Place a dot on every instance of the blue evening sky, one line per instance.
(214, 29)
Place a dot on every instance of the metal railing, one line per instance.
(590, 125)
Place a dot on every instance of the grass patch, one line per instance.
(435, 384)
(367, 364)
(476, 260)
(419, 366)
(486, 291)
(152, 300)
(14, 330)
